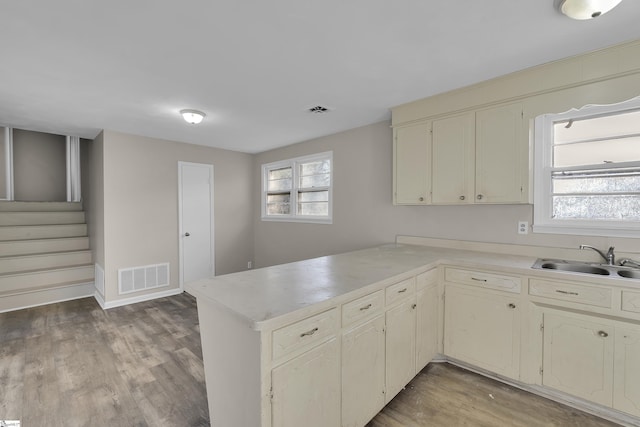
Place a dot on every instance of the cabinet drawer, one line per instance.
(574, 292)
(631, 301)
(499, 282)
(400, 290)
(362, 308)
(304, 332)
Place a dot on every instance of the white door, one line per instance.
(196, 221)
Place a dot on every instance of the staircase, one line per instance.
(44, 254)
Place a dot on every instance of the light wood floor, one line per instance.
(72, 364)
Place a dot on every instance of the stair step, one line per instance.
(31, 232)
(21, 263)
(6, 206)
(40, 218)
(40, 246)
(28, 281)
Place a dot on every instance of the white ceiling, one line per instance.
(255, 66)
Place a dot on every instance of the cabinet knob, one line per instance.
(511, 305)
(479, 197)
(421, 199)
(462, 197)
(603, 334)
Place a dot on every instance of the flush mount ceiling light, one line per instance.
(192, 117)
(585, 9)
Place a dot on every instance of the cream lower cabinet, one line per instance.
(363, 372)
(578, 356)
(306, 389)
(400, 346)
(626, 372)
(593, 358)
(427, 315)
(483, 328)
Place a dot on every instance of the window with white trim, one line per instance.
(587, 171)
(299, 189)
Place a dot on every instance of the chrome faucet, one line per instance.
(631, 262)
(610, 257)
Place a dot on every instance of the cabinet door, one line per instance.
(578, 356)
(363, 370)
(400, 347)
(626, 395)
(412, 160)
(453, 160)
(426, 326)
(501, 162)
(306, 390)
(483, 329)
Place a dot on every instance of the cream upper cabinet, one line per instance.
(363, 372)
(483, 328)
(452, 163)
(627, 369)
(427, 318)
(501, 155)
(411, 158)
(476, 157)
(306, 389)
(578, 355)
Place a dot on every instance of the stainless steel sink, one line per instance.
(629, 274)
(575, 267)
(588, 268)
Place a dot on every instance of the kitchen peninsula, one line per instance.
(329, 341)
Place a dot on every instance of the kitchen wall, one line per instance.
(140, 210)
(92, 173)
(363, 213)
(3, 180)
(39, 166)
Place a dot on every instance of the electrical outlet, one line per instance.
(523, 227)
(249, 265)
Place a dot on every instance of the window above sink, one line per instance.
(587, 171)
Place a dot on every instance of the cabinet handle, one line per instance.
(402, 290)
(603, 334)
(421, 199)
(479, 197)
(511, 305)
(311, 332)
(366, 307)
(414, 306)
(462, 197)
(560, 291)
(478, 280)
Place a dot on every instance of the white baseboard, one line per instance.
(141, 298)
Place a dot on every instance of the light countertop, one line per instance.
(262, 295)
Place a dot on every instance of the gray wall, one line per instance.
(39, 166)
(92, 171)
(3, 181)
(363, 213)
(140, 210)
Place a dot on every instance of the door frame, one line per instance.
(181, 165)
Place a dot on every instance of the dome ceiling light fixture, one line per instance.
(585, 9)
(193, 117)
